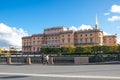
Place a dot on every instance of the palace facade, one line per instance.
(62, 37)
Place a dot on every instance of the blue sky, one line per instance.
(34, 16)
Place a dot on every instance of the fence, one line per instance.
(35, 59)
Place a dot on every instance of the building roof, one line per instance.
(54, 28)
(89, 30)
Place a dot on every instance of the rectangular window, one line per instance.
(55, 37)
(33, 42)
(52, 41)
(62, 40)
(76, 35)
(91, 40)
(76, 41)
(68, 40)
(104, 41)
(99, 40)
(38, 42)
(52, 37)
(86, 40)
(81, 40)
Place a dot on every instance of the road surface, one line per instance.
(60, 72)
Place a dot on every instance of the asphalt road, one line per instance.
(58, 72)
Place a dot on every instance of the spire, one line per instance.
(96, 22)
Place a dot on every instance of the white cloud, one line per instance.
(106, 14)
(73, 28)
(115, 9)
(82, 27)
(118, 39)
(114, 18)
(105, 33)
(11, 36)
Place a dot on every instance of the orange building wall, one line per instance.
(53, 37)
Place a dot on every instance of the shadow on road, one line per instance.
(11, 77)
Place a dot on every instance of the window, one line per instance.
(90, 34)
(76, 36)
(99, 39)
(62, 40)
(52, 37)
(76, 41)
(81, 40)
(38, 42)
(52, 41)
(104, 40)
(33, 48)
(34, 38)
(110, 40)
(80, 35)
(86, 40)
(68, 35)
(99, 34)
(33, 42)
(37, 48)
(91, 40)
(30, 43)
(55, 37)
(68, 40)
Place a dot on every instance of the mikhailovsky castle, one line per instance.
(62, 37)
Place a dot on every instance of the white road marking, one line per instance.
(62, 76)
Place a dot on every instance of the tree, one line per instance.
(87, 49)
(71, 49)
(79, 49)
(0, 51)
(118, 47)
(64, 49)
(105, 49)
(112, 48)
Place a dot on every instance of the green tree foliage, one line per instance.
(0, 51)
(105, 49)
(118, 48)
(79, 49)
(87, 49)
(50, 50)
(64, 49)
(112, 48)
(71, 49)
(82, 49)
